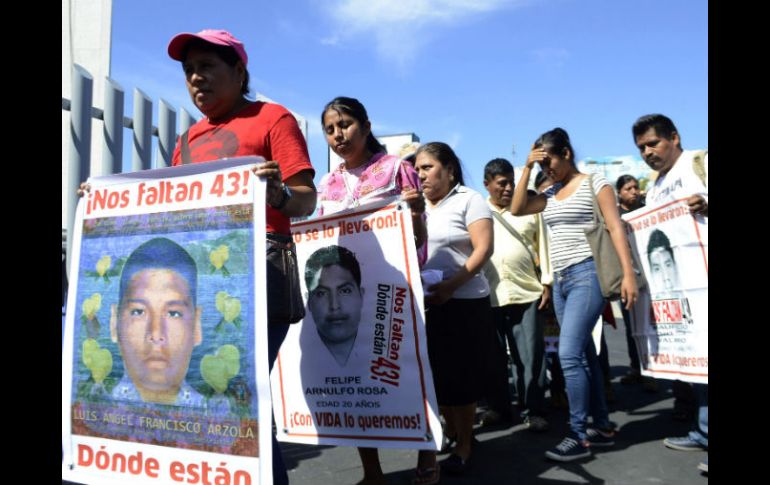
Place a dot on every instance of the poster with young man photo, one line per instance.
(670, 320)
(164, 359)
(355, 371)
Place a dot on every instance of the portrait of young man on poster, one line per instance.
(335, 298)
(156, 324)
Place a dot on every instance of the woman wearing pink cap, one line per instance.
(214, 64)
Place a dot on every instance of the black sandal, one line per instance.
(427, 476)
(455, 465)
(449, 443)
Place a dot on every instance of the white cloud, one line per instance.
(393, 23)
(369, 13)
(331, 40)
(551, 57)
(453, 140)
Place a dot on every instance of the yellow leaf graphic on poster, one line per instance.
(219, 257)
(91, 307)
(221, 296)
(106, 268)
(97, 360)
(103, 265)
(230, 308)
(217, 370)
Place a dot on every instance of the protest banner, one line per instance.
(670, 318)
(551, 331)
(164, 366)
(355, 371)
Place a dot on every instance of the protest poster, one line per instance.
(355, 371)
(164, 370)
(670, 318)
(551, 331)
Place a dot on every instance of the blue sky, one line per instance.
(486, 76)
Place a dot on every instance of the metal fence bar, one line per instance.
(186, 121)
(82, 111)
(166, 134)
(80, 143)
(142, 152)
(98, 114)
(112, 151)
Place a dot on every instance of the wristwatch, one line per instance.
(285, 196)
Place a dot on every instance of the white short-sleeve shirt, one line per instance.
(449, 242)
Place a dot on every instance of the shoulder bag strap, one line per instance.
(184, 147)
(518, 237)
(598, 216)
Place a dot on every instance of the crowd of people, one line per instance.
(507, 260)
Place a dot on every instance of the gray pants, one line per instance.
(521, 328)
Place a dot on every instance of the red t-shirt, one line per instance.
(264, 129)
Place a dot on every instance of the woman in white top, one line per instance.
(567, 208)
(458, 315)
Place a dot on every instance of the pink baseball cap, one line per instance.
(212, 36)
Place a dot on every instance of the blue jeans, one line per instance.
(578, 302)
(276, 333)
(701, 432)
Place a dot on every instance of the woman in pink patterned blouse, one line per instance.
(369, 174)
